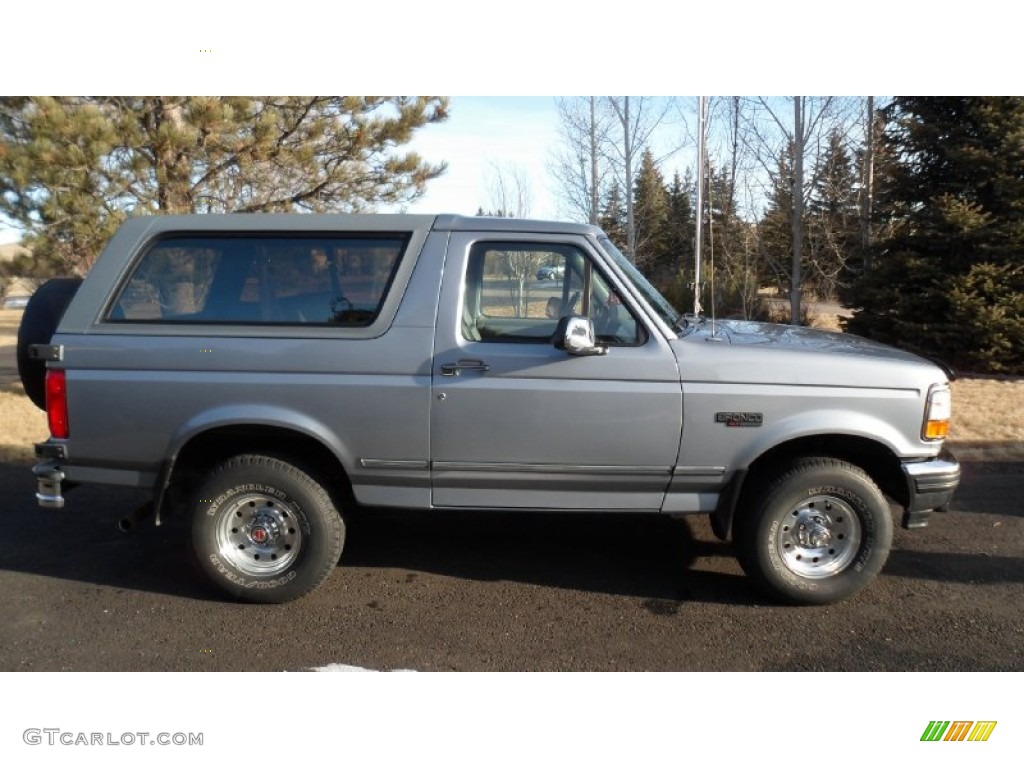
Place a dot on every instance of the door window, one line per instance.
(517, 292)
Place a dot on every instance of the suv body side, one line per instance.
(450, 388)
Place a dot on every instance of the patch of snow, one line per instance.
(351, 668)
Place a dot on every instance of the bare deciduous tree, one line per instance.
(510, 195)
(769, 132)
(635, 120)
(509, 192)
(579, 165)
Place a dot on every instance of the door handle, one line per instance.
(456, 369)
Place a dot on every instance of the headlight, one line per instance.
(937, 413)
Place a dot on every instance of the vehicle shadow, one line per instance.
(83, 543)
(645, 556)
(662, 561)
(955, 567)
(652, 557)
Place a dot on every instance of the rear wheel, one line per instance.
(817, 535)
(265, 530)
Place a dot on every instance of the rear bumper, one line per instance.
(930, 485)
(54, 478)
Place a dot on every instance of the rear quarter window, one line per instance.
(322, 280)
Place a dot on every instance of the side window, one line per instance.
(329, 280)
(517, 292)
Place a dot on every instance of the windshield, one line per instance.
(658, 302)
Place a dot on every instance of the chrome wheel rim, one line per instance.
(819, 537)
(259, 536)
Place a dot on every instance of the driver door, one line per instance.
(519, 424)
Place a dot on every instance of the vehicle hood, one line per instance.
(744, 351)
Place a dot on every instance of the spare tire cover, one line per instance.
(42, 315)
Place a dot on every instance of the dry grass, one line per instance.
(23, 426)
(988, 413)
(21, 423)
(9, 320)
(988, 418)
(825, 321)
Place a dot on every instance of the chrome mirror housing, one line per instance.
(575, 335)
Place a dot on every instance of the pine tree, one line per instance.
(613, 217)
(775, 228)
(833, 226)
(680, 224)
(71, 169)
(730, 250)
(650, 216)
(949, 280)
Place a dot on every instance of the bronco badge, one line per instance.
(737, 419)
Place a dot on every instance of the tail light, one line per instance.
(57, 403)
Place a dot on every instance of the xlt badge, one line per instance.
(740, 419)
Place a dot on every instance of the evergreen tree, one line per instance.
(730, 251)
(679, 230)
(948, 281)
(613, 217)
(71, 169)
(650, 216)
(833, 226)
(775, 228)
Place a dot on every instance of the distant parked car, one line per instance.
(16, 302)
(551, 273)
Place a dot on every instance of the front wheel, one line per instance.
(817, 535)
(265, 530)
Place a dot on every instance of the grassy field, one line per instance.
(988, 413)
(21, 423)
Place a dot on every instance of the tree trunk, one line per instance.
(868, 184)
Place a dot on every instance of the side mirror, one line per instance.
(575, 335)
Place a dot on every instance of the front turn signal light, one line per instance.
(937, 413)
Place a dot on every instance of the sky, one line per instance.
(484, 134)
(489, 133)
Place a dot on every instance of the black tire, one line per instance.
(41, 318)
(817, 535)
(264, 530)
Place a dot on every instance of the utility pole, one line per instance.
(795, 283)
(627, 156)
(595, 201)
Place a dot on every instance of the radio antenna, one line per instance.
(702, 109)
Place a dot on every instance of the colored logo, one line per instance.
(958, 730)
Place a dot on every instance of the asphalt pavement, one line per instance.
(495, 591)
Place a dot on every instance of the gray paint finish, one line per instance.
(569, 418)
(539, 429)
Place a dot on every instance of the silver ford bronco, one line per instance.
(268, 372)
